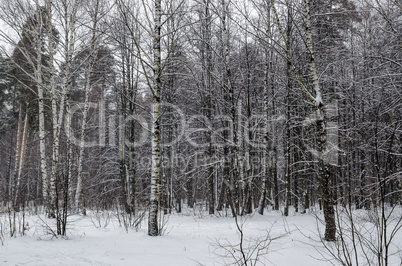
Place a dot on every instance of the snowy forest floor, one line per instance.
(190, 238)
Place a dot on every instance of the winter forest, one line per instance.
(179, 118)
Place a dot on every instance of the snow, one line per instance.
(189, 239)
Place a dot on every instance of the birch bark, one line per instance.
(325, 183)
(208, 102)
(233, 158)
(42, 133)
(153, 228)
(324, 178)
(17, 153)
(55, 120)
(21, 160)
(265, 160)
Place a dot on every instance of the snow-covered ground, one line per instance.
(189, 239)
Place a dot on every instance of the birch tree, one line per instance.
(22, 135)
(152, 70)
(208, 103)
(266, 133)
(324, 178)
(153, 228)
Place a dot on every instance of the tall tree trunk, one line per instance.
(266, 146)
(78, 191)
(131, 162)
(69, 20)
(68, 130)
(325, 184)
(17, 154)
(248, 182)
(56, 122)
(274, 157)
(288, 117)
(153, 228)
(42, 131)
(124, 171)
(324, 179)
(208, 107)
(21, 160)
(233, 155)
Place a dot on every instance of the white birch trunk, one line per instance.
(18, 144)
(69, 149)
(310, 49)
(265, 161)
(17, 155)
(55, 120)
(233, 196)
(153, 228)
(21, 158)
(324, 178)
(69, 25)
(82, 142)
(42, 132)
(261, 203)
